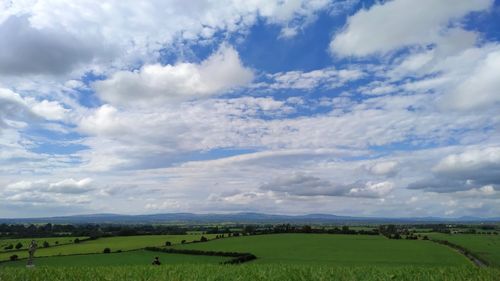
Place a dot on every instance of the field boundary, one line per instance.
(237, 258)
(478, 261)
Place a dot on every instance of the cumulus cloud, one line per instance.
(153, 84)
(389, 168)
(470, 170)
(394, 24)
(50, 37)
(14, 108)
(481, 88)
(305, 185)
(25, 49)
(66, 186)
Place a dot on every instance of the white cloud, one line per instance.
(372, 190)
(472, 169)
(326, 78)
(86, 35)
(51, 110)
(305, 185)
(154, 84)
(481, 88)
(65, 186)
(15, 108)
(384, 168)
(71, 186)
(399, 23)
(481, 165)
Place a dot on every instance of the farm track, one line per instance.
(475, 260)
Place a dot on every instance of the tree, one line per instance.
(77, 241)
(183, 242)
(249, 229)
(203, 239)
(46, 244)
(9, 247)
(19, 245)
(107, 250)
(307, 229)
(168, 243)
(13, 257)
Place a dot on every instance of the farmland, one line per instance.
(138, 257)
(25, 242)
(122, 243)
(484, 246)
(335, 249)
(280, 256)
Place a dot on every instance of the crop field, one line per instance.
(26, 241)
(139, 257)
(485, 246)
(250, 272)
(122, 243)
(336, 250)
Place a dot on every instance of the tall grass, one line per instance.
(248, 272)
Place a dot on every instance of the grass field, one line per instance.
(250, 272)
(485, 246)
(337, 250)
(139, 257)
(123, 243)
(27, 241)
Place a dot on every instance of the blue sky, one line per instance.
(369, 108)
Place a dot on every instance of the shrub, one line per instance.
(168, 243)
(203, 239)
(19, 245)
(10, 247)
(106, 250)
(46, 244)
(77, 241)
(183, 242)
(14, 257)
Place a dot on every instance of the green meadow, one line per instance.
(279, 257)
(121, 243)
(26, 241)
(336, 250)
(137, 257)
(482, 245)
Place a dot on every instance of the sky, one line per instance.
(346, 107)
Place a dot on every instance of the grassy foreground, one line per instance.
(248, 272)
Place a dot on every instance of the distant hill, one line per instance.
(237, 218)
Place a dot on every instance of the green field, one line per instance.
(484, 246)
(26, 241)
(336, 250)
(250, 272)
(123, 243)
(139, 257)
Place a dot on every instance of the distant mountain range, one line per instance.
(191, 218)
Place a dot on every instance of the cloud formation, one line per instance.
(153, 84)
(304, 185)
(395, 24)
